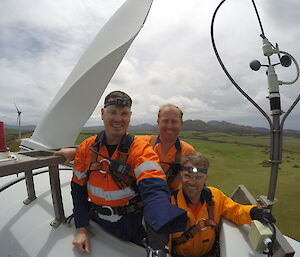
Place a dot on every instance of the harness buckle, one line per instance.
(205, 222)
(188, 235)
(108, 163)
(110, 209)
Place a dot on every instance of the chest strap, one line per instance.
(174, 166)
(192, 231)
(122, 180)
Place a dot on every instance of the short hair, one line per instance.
(172, 106)
(196, 158)
(117, 94)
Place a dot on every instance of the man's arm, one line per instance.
(153, 188)
(158, 211)
(80, 198)
(68, 153)
(225, 206)
(80, 204)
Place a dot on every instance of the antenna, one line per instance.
(18, 120)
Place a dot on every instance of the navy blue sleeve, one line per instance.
(158, 210)
(81, 205)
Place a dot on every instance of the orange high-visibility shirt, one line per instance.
(203, 241)
(102, 189)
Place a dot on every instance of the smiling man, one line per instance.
(167, 145)
(205, 207)
(121, 176)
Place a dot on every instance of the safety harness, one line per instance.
(119, 169)
(206, 196)
(174, 166)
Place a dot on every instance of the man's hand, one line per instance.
(68, 153)
(262, 215)
(82, 241)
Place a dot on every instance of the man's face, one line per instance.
(192, 183)
(169, 123)
(116, 119)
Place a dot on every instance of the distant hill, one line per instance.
(227, 127)
(222, 126)
(28, 127)
(197, 125)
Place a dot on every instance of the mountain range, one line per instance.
(195, 125)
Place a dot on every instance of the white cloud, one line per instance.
(171, 60)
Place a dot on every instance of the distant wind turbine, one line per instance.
(18, 120)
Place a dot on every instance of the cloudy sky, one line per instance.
(171, 60)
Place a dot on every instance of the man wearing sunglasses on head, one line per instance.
(205, 207)
(121, 176)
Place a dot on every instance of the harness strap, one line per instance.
(153, 140)
(209, 254)
(172, 172)
(94, 159)
(118, 210)
(95, 146)
(124, 146)
(211, 210)
(192, 231)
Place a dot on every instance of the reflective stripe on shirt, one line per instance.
(110, 195)
(78, 174)
(145, 166)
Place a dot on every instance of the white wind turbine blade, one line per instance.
(18, 111)
(16, 107)
(81, 92)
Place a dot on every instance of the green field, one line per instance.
(236, 159)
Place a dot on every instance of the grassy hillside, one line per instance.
(11, 138)
(238, 160)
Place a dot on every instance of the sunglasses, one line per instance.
(119, 102)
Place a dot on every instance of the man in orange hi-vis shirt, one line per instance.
(205, 206)
(167, 144)
(121, 176)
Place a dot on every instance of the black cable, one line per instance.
(259, 21)
(273, 238)
(69, 219)
(227, 73)
(261, 27)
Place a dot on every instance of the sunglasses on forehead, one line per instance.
(119, 102)
(192, 169)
